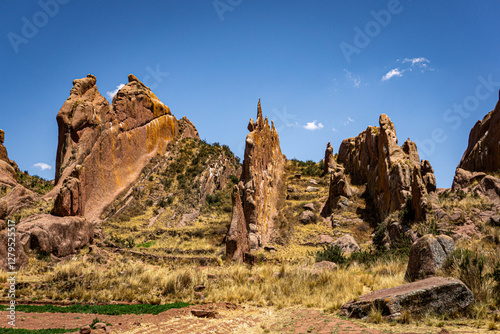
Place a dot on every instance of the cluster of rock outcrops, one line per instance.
(393, 174)
(101, 152)
(256, 198)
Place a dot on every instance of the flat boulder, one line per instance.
(307, 217)
(427, 255)
(436, 294)
(60, 236)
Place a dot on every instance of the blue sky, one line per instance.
(325, 70)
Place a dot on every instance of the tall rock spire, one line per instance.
(257, 197)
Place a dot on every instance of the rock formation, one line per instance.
(393, 174)
(110, 145)
(329, 163)
(483, 152)
(438, 295)
(47, 234)
(8, 176)
(260, 190)
(477, 172)
(427, 255)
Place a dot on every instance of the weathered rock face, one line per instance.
(237, 241)
(427, 255)
(8, 176)
(111, 144)
(437, 294)
(391, 172)
(60, 236)
(483, 152)
(79, 119)
(69, 200)
(3, 150)
(261, 187)
(329, 163)
(18, 198)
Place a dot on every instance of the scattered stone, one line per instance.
(199, 295)
(100, 325)
(313, 181)
(325, 239)
(326, 265)
(85, 330)
(427, 255)
(438, 295)
(211, 276)
(347, 244)
(308, 206)
(310, 189)
(307, 217)
(204, 313)
(199, 288)
(290, 189)
(298, 176)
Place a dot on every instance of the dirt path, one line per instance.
(231, 319)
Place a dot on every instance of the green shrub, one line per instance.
(333, 254)
(234, 179)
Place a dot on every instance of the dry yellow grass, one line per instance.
(123, 279)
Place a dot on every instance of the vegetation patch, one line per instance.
(118, 309)
(36, 331)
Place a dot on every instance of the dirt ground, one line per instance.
(230, 319)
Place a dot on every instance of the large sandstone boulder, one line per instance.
(427, 255)
(110, 144)
(16, 199)
(438, 295)
(390, 172)
(60, 236)
(483, 152)
(261, 188)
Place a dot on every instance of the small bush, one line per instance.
(333, 254)
(234, 179)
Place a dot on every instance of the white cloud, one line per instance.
(349, 120)
(334, 130)
(112, 93)
(395, 72)
(314, 125)
(420, 60)
(43, 166)
(356, 79)
(419, 63)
